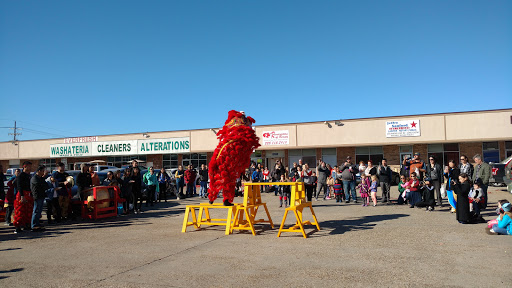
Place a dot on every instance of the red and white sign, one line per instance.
(272, 138)
(81, 139)
(406, 128)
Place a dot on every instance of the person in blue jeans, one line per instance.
(348, 177)
(203, 181)
(180, 181)
(38, 187)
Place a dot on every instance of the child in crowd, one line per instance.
(338, 190)
(504, 226)
(373, 190)
(495, 221)
(475, 197)
(428, 196)
(364, 189)
(403, 188)
(284, 193)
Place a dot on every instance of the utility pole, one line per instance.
(15, 133)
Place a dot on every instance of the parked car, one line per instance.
(498, 172)
(508, 176)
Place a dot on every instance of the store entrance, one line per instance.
(271, 162)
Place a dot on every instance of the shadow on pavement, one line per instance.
(335, 227)
(158, 211)
(10, 271)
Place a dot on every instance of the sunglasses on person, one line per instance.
(413, 176)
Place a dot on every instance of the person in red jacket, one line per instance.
(190, 180)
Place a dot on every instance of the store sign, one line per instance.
(126, 147)
(70, 150)
(109, 148)
(81, 139)
(164, 146)
(280, 137)
(407, 128)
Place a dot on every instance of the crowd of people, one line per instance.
(421, 185)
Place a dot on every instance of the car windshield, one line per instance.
(506, 160)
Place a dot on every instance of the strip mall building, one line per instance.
(447, 136)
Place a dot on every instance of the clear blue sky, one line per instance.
(86, 68)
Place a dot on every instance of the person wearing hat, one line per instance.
(348, 176)
(504, 226)
(415, 165)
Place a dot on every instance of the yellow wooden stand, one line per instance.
(252, 201)
(297, 205)
(207, 220)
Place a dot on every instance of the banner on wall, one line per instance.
(276, 137)
(124, 147)
(405, 128)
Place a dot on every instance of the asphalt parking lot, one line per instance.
(386, 246)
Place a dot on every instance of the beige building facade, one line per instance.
(446, 136)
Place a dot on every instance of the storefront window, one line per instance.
(444, 153)
(491, 151)
(196, 159)
(119, 161)
(256, 157)
(49, 163)
(329, 156)
(373, 153)
(508, 148)
(170, 161)
(405, 152)
(308, 156)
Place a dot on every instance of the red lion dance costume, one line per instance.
(232, 156)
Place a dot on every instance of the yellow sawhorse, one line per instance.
(249, 209)
(297, 205)
(198, 220)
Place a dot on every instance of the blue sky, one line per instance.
(86, 68)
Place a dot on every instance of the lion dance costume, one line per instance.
(232, 156)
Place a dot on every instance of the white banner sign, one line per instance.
(108, 148)
(405, 128)
(281, 137)
(125, 147)
(164, 146)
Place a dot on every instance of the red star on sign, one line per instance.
(413, 124)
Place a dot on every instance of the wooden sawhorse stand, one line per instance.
(252, 201)
(198, 220)
(297, 205)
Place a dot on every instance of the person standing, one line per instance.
(415, 165)
(385, 175)
(180, 178)
(9, 198)
(136, 181)
(466, 167)
(151, 182)
(2, 179)
(482, 171)
(127, 191)
(24, 203)
(348, 176)
(61, 203)
(94, 176)
(190, 180)
(38, 187)
(433, 171)
(163, 180)
(203, 181)
(309, 181)
(323, 173)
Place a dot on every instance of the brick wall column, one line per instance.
(470, 149)
(392, 154)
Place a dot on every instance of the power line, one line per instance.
(68, 132)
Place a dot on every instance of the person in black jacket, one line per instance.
(433, 171)
(462, 190)
(203, 181)
(136, 181)
(38, 188)
(385, 175)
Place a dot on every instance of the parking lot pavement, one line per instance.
(386, 246)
